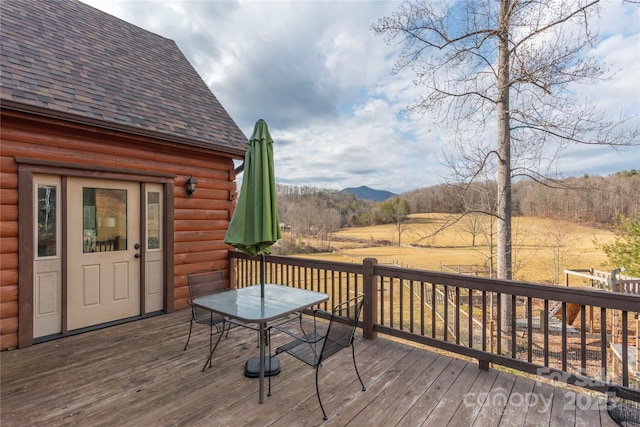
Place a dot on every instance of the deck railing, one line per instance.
(585, 337)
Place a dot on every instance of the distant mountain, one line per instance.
(366, 193)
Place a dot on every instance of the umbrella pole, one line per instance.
(253, 368)
(262, 280)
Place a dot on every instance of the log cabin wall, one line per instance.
(199, 223)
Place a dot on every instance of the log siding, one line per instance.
(195, 225)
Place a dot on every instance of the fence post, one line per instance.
(637, 342)
(370, 307)
(614, 280)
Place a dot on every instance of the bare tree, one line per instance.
(328, 222)
(490, 241)
(558, 242)
(396, 211)
(474, 226)
(501, 73)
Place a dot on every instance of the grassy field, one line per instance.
(542, 247)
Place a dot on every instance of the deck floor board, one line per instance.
(138, 374)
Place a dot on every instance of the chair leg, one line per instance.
(189, 337)
(212, 349)
(324, 414)
(353, 353)
(210, 338)
(301, 327)
(269, 356)
(228, 327)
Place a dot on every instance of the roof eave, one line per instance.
(52, 114)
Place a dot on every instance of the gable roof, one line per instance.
(68, 60)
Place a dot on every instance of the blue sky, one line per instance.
(322, 80)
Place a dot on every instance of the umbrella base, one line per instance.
(252, 367)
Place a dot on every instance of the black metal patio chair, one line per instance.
(623, 406)
(206, 282)
(210, 281)
(201, 283)
(314, 348)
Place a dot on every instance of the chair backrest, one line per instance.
(204, 282)
(342, 326)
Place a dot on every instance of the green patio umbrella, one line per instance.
(254, 226)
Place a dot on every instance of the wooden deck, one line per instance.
(136, 374)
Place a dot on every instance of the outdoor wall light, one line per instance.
(190, 186)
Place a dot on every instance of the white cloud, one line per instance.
(322, 81)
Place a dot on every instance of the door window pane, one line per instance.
(104, 220)
(153, 220)
(47, 220)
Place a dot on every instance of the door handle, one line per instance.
(137, 255)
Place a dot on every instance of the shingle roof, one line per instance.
(67, 59)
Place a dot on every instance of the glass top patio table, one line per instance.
(246, 305)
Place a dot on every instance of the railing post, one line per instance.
(232, 272)
(370, 307)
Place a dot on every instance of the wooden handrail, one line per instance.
(459, 313)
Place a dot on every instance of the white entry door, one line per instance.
(103, 242)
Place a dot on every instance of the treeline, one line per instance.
(596, 200)
(315, 211)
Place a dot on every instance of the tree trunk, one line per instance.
(504, 158)
(504, 148)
